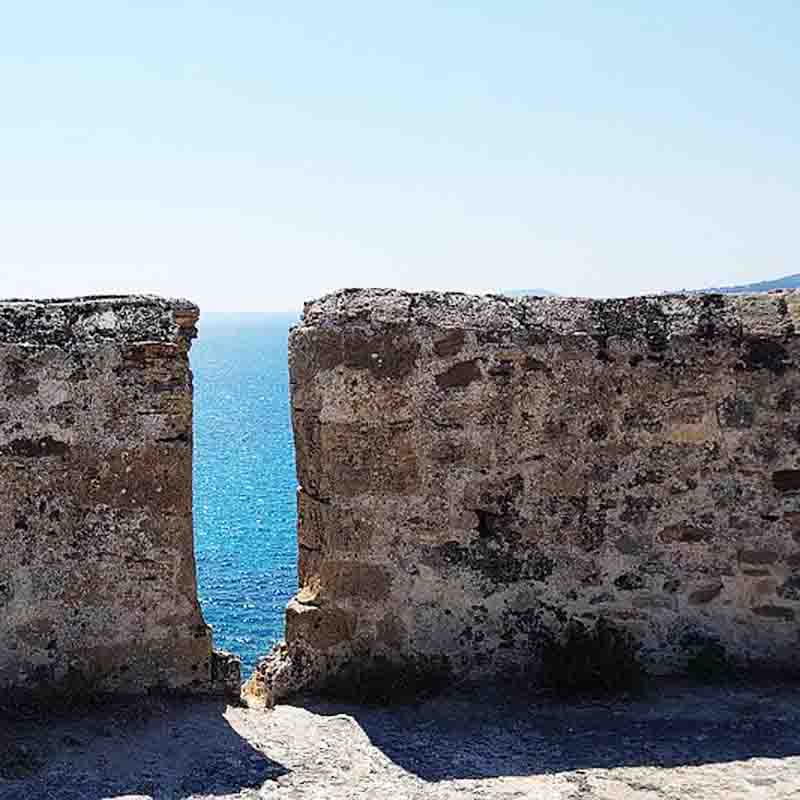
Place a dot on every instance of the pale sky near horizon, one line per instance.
(254, 156)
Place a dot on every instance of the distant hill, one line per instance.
(787, 282)
(530, 293)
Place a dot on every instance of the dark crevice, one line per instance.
(325, 501)
(182, 438)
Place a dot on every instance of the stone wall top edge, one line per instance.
(97, 319)
(107, 300)
(775, 314)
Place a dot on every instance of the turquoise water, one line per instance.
(244, 479)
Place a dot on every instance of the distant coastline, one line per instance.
(786, 282)
(757, 287)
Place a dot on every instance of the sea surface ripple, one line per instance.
(244, 479)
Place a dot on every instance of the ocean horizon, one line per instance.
(244, 479)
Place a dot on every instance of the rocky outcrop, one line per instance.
(97, 576)
(480, 475)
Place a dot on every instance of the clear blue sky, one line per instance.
(250, 155)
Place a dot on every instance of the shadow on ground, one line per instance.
(489, 735)
(152, 747)
(741, 739)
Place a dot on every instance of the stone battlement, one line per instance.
(97, 577)
(481, 475)
(480, 478)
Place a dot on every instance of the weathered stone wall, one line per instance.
(478, 472)
(97, 571)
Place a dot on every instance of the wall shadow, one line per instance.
(153, 747)
(488, 734)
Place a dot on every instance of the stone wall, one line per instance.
(479, 473)
(97, 571)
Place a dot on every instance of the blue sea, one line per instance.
(244, 479)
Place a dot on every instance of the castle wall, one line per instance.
(479, 473)
(97, 572)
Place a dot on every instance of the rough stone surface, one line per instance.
(477, 473)
(680, 744)
(97, 573)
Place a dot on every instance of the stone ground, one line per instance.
(677, 742)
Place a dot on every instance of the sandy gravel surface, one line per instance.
(675, 743)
